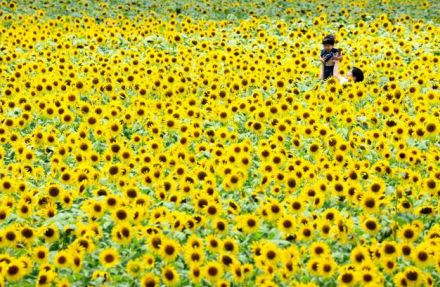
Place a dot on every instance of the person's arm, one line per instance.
(338, 57)
(342, 80)
(336, 72)
(336, 69)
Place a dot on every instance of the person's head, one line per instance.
(356, 74)
(328, 42)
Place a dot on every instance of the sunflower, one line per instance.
(408, 233)
(369, 278)
(217, 141)
(275, 210)
(195, 274)
(170, 277)
(389, 265)
(62, 259)
(305, 233)
(221, 225)
(134, 268)
(270, 253)
(45, 278)
(248, 223)
(169, 250)
(287, 224)
(359, 255)
(411, 276)
(4, 213)
(76, 262)
(296, 205)
(229, 245)
(347, 278)
(28, 234)
(109, 258)
(213, 271)
(41, 254)
(83, 245)
(50, 233)
(194, 242)
(313, 266)
(14, 271)
(370, 203)
(238, 274)
(10, 236)
(194, 256)
(213, 244)
(24, 210)
(319, 249)
(148, 261)
(122, 233)
(389, 250)
(149, 280)
(327, 267)
(121, 215)
(94, 208)
(27, 264)
(63, 283)
(422, 255)
(102, 275)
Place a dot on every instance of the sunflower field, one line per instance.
(192, 143)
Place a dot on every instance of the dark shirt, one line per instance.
(328, 70)
(324, 52)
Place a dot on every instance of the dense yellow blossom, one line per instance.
(176, 143)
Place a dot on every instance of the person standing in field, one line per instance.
(328, 56)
